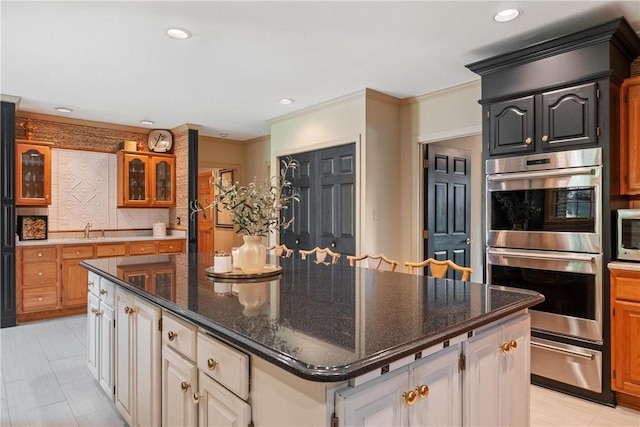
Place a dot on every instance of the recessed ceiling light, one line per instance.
(223, 134)
(64, 110)
(506, 15)
(286, 101)
(147, 122)
(178, 33)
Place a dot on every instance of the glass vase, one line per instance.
(253, 255)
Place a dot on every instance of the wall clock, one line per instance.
(160, 140)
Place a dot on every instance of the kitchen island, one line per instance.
(316, 345)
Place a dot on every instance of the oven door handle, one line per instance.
(564, 257)
(542, 174)
(562, 350)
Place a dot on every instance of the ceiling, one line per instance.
(112, 61)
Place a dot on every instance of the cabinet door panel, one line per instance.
(93, 331)
(569, 117)
(124, 355)
(219, 407)
(630, 136)
(178, 409)
(443, 405)
(378, 403)
(74, 283)
(516, 370)
(482, 378)
(512, 126)
(626, 324)
(106, 348)
(147, 364)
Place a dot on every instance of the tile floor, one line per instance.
(45, 382)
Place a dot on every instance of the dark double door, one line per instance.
(325, 215)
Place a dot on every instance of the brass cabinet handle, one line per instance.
(103, 291)
(504, 348)
(423, 391)
(40, 298)
(545, 138)
(410, 397)
(513, 344)
(196, 397)
(212, 364)
(40, 273)
(98, 313)
(39, 253)
(528, 141)
(130, 311)
(90, 283)
(172, 335)
(184, 386)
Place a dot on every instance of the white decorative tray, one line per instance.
(268, 271)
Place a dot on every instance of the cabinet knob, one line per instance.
(111, 250)
(423, 391)
(40, 298)
(39, 253)
(184, 386)
(77, 252)
(504, 348)
(212, 364)
(40, 273)
(513, 344)
(103, 291)
(172, 335)
(90, 283)
(528, 141)
(196, 397)
(93, 310)
(97, 312)
(545, 138)
(410, 397)
(128, 310)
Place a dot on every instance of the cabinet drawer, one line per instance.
(179, 335)
(39, 254)
(77, 252)
(224, 364)
(142, 248)
(107, 292)
(170, 246)
(627, 288)
(39, 273)
(41, 298)
(115, 249)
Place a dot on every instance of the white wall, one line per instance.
(449, 114)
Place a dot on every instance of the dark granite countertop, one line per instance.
(320, 322)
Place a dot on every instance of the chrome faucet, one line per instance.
(86, 230)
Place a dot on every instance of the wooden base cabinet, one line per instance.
(625, 329)
(138, 385)
(101, 332)
(217, 406)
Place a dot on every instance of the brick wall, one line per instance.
(635, 67)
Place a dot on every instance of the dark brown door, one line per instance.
(205, 225)
(447, 205)
(325, 215)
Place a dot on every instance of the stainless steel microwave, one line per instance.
(629, 234)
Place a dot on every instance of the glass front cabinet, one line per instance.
(146, 180)
(33, 172)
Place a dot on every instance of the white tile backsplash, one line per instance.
(84, 189)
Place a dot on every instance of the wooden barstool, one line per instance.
(439, 269)
(373, 261)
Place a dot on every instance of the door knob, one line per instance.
(333, 244)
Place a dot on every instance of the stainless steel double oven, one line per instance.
(544, 220)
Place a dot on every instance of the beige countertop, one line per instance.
(624, 265)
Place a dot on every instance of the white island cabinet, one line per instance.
(100, 331)
(138, 384)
